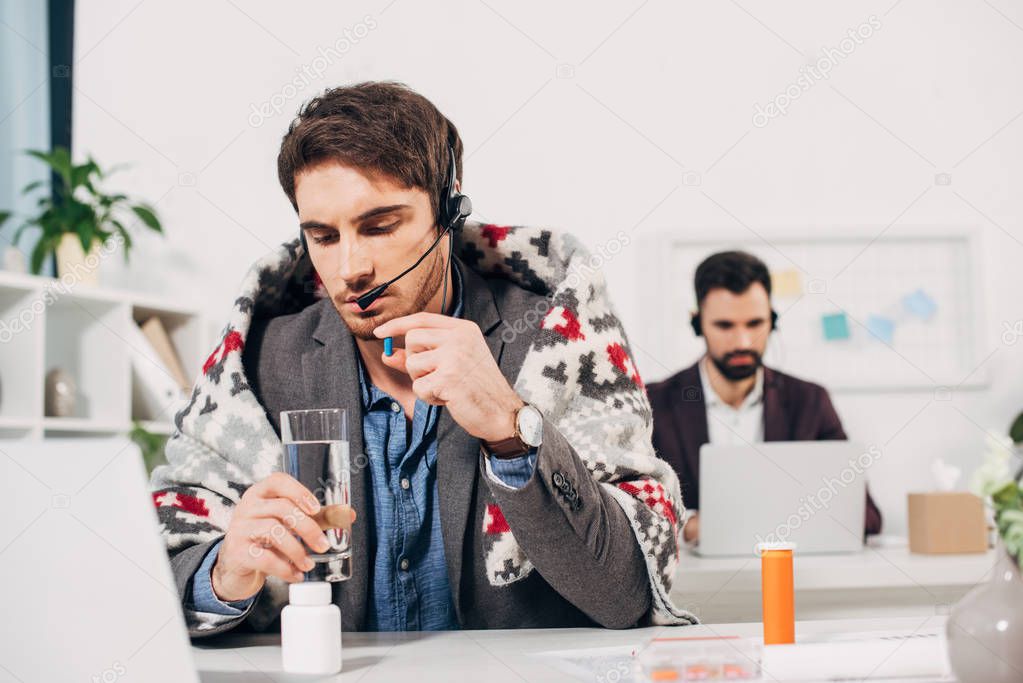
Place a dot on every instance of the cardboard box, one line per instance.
(946, 522)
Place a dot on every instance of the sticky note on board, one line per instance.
(882, 328)
(786, 283)
(835, 326)
(921, 305)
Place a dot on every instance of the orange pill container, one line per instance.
(777, 593)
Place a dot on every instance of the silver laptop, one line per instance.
(811, 493)
(87, 586)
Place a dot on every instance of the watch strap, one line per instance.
(512, 447)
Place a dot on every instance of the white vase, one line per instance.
(73, 262)
(985, 629)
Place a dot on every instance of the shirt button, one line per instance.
(405, 483)
(395, 407)
(404, 564)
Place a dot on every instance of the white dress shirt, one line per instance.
(727, 425)
(733, 426)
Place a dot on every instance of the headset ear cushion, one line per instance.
(459, 208)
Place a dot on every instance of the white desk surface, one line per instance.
(491, 656)
(871, 568)
(882, 581)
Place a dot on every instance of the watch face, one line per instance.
(530, 425)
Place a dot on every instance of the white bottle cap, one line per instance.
(762, 548)
(309, 593)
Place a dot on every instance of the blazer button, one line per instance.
(558, 480)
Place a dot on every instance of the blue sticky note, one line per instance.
(835, 326)
(919, 304)
(882, 328)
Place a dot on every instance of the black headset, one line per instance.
(697, 324)
(453, 208)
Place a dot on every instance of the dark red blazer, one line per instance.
(794, 410)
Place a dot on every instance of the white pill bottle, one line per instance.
(311, 630)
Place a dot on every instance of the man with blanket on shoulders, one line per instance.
(502, 469)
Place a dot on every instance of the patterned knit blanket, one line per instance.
(579, 373)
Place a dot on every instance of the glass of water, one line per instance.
(315, 444)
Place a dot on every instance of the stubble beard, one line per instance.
(362, 324)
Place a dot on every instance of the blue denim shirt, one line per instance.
(409, 583)
(409, 579)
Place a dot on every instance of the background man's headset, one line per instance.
(453, 208)
(697, 324)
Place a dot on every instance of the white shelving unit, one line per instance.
(82, 329)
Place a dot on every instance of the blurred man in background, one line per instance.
(729, 396)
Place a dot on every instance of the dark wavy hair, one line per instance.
(736, 271)
(383, 127)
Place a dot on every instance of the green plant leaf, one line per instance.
(111, 199)
(1012, 536)
(17, 233)
(85, 235)
(1011, 517)
(77, 206)
(39, 253)
(32, 186)
(59, 160)
(24, 226)
(80, 175)
(152, 445)
(62, 159)
(1006, 497)
(147, 216)
(4, 215)
(1016, 430)
(124, 234)
(45, 157)
(44, 221)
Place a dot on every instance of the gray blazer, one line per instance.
(588, 567)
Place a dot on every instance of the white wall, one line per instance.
(650, 131)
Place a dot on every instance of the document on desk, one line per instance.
(598, 664)
(903, 656)
(889, 655)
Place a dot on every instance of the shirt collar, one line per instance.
(370, 394)
(711, 398)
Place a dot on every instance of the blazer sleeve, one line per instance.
(577, 535)
(830, 428)
(188, 536)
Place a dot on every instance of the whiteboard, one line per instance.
(861, 275)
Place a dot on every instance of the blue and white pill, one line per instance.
(388, 346)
